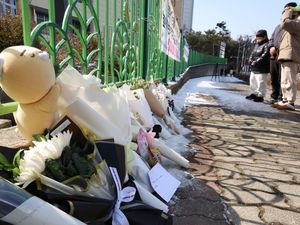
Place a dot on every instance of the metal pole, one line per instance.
(51, 10)
(97, 8)
(243, 56)
(238, 56)
(26, 22)
(84, 36)
(106, 43)
(115, 15)
(142, 38)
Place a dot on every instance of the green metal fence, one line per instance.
(131, 52)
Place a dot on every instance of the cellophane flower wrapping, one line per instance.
(68, 169)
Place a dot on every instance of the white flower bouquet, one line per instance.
(67, 169)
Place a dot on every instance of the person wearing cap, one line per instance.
(275, 69)
(260, 67)
(289, 56)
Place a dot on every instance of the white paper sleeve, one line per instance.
(111, 104)
(138, 170)
(150, 199)
(170, 153)
(83, 115)
(139, 105)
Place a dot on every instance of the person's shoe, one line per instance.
(281, 103)
(286, 106)
(275, 104)
(273, 101)
(251, 97)
(258, 99)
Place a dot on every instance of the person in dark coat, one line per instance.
(260, 67)
(275, 69)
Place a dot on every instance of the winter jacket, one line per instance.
(260, 57)
(276, 37)
(290, 44)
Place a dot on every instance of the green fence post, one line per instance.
(26, 22)
(115, 15)
(7, 108)
(51, 11)
(181, 52)
(165, 68)
(142, 38)
(84, 68)
(97, 8)
(106, 43)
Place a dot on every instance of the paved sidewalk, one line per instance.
(251, 158)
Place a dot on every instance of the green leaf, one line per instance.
(83, 166)
(38, 138)
(16, 172)
(70, 170)
(17, 158)
(77, 181)
(54, 168)
(3, 161)
(66, 156)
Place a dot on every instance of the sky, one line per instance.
(242, 17)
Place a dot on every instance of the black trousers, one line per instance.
(275, 71)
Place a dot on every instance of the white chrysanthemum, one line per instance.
(52, 149)
(33, 162)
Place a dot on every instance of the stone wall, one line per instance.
(198, 71)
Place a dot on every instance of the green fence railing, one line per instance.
(130, 50)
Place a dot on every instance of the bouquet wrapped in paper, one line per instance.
(166, 99)
(139, 105)
(104, 112)
(114, 156)
(157, 145)
(162, 94)
(85, 178)
(68, 171)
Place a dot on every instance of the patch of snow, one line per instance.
(178, 143)
(197, 92)
(183, 176)
(170, 83)
(177, 78)
(229, 99)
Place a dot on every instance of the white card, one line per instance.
(60, 127)
(163, 182)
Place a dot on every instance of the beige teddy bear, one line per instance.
(27, 76)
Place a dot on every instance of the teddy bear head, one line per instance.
(26, 73)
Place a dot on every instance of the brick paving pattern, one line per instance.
(251, 159)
